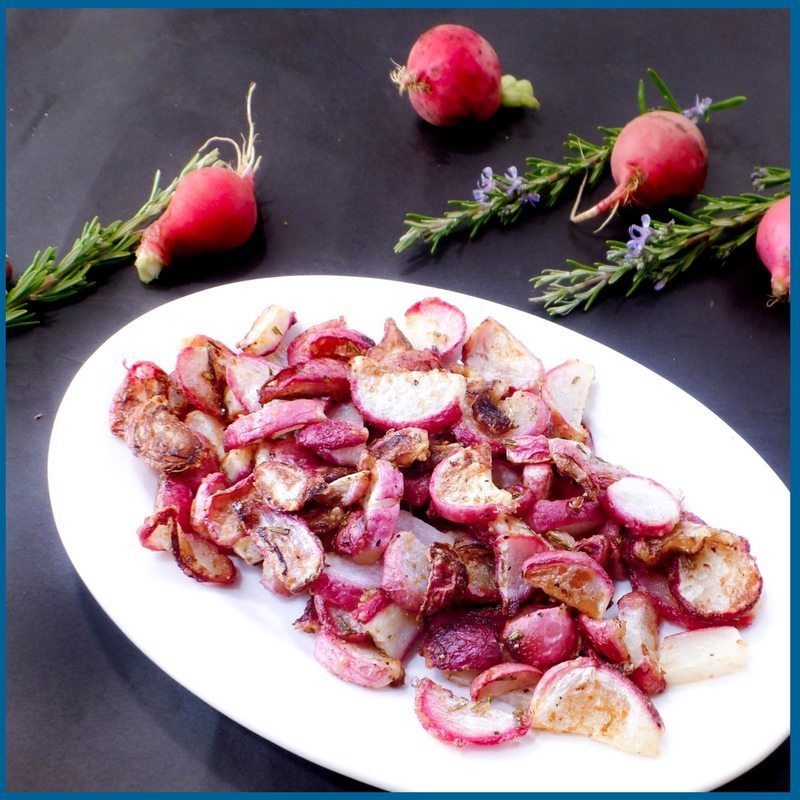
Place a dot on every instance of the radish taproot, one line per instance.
(772, 246)
(212, 210)
(453, 75)
(657, 156)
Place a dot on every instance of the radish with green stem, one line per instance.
(453, 75)
(212, 210)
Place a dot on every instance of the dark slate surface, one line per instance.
(98, 99)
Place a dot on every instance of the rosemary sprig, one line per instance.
(659, 251)
(506, 196)
(50, 280)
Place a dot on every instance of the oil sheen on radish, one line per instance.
(657, 156)
(212, 210)
(453, 75)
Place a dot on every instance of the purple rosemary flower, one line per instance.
(639, 235)
(698, 110)
(514, 181)
(485, 185)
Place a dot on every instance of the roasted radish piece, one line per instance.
(392, 628)
(606, 636)
(345, 491)
(541, 637)
(328, 340)
(201, 377)
(447, 579)
(339, 621)
(404, 398)
(246, 549)
(283, 486)
(656, 587)
(319, 377)
(588, 698)
(424, 531)
(701, 654)
(161, 440)
(575, 460)
(238, 463)
(459, 721)
(514, 543)
(456, 641)
(143, 381)
(573, 578)
(331, 434)
(211, 485)
(720, 583)
(402, 447)
(293, 552)
(566, 389)
(394, 351)
(343, 582)
(174, 493)
(502, 679)
(574, 515)
(496, 355)
(686, 537)
(406, 570)
(360, 664)
(274, 419)
(638, 615)
(245, 375)
(643, 506)
(462, 490)
(529, 449)
(201, 559)
(155, 533)
(210, 428)
(346, 456)
(267, 331)
(381, 507)
(479, 562)
(433, 323)
(523, 414)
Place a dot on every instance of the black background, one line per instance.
(97, 100)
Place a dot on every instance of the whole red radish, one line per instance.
(453, 75)
(657, 156)
(772, 246)
(212, 210)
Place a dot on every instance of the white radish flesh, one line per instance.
(643, 506)
(701, 654)
(433, 323)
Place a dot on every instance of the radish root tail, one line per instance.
(407, 81)
(246, 160)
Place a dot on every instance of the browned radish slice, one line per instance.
(592, 699)
(402, 447)
(350, 537)
(573, 578)
(172, 492)
(346, 456)
(575, 460)
(433, 323)
(155, 533)
(246, 549)
(565, 390)
(598, 547)
(656, 587)
(528, 449)
(201, 559)
(394, 351)
(293, 552)
(199, 382)
(502, 679)
(238, 463)
(406, 570)
(308, 622)
(267, 331)
(210, 428)
(331, 339)
(283, 486)
(162, 441)
(381, 506)
(720, 583)
(459, 721)
(331, 434)
(404, 398)
(270, 579)
(462, 490)
(458, 640)
(480, 565)
(643, 506)
(514, 543)
(605, 636)
(245, 375)
(360, 664)
(319, 377)
(393, 629)
(222, 521)
(275, 418)
(541, 637)
(638, 615)
(447, 579)
(496, 355)
(339, 621)
(345, 491)
(343, 582)
(573, 515)
(209, 486)
(686, 537)
(701, 654)
(143, 381)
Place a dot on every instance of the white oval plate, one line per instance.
(235, 647)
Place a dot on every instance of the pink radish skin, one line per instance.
(657, 156)
(433, 323)
(541, 637)
(772, 246)
(452, 75)
(212, 210)
(503, 678)
(643, 506)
